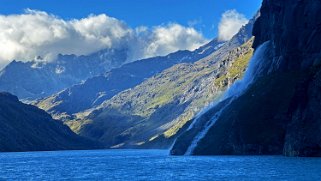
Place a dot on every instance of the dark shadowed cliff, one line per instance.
(27, 128)
(279, 113)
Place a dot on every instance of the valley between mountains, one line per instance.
(255, 94)
(138, 116)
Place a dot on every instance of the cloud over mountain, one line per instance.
(161, 40)
(37, 33)
(230, 24)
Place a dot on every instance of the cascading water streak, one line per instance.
(254, 69)
(207, 126)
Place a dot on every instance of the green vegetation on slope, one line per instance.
(235, 71)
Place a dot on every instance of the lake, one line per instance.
(152, 165)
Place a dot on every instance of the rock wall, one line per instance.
(280, 112)
(294, 27)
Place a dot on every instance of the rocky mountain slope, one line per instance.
(37, 79)
(27, 128)
(279, 112)
(152, 113)
(96, 90)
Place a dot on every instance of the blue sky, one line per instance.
(146, 28)
(204, 15)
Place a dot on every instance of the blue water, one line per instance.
(152, 165)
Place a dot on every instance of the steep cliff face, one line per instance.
(295, 31)
(279, 112)
(293, 27)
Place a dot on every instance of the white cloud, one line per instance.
(165, 39)
(230, 24)
(37, 33)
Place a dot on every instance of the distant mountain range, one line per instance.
(37, 79)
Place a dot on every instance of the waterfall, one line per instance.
(254, 69)
(172, 146)
(207, 126)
